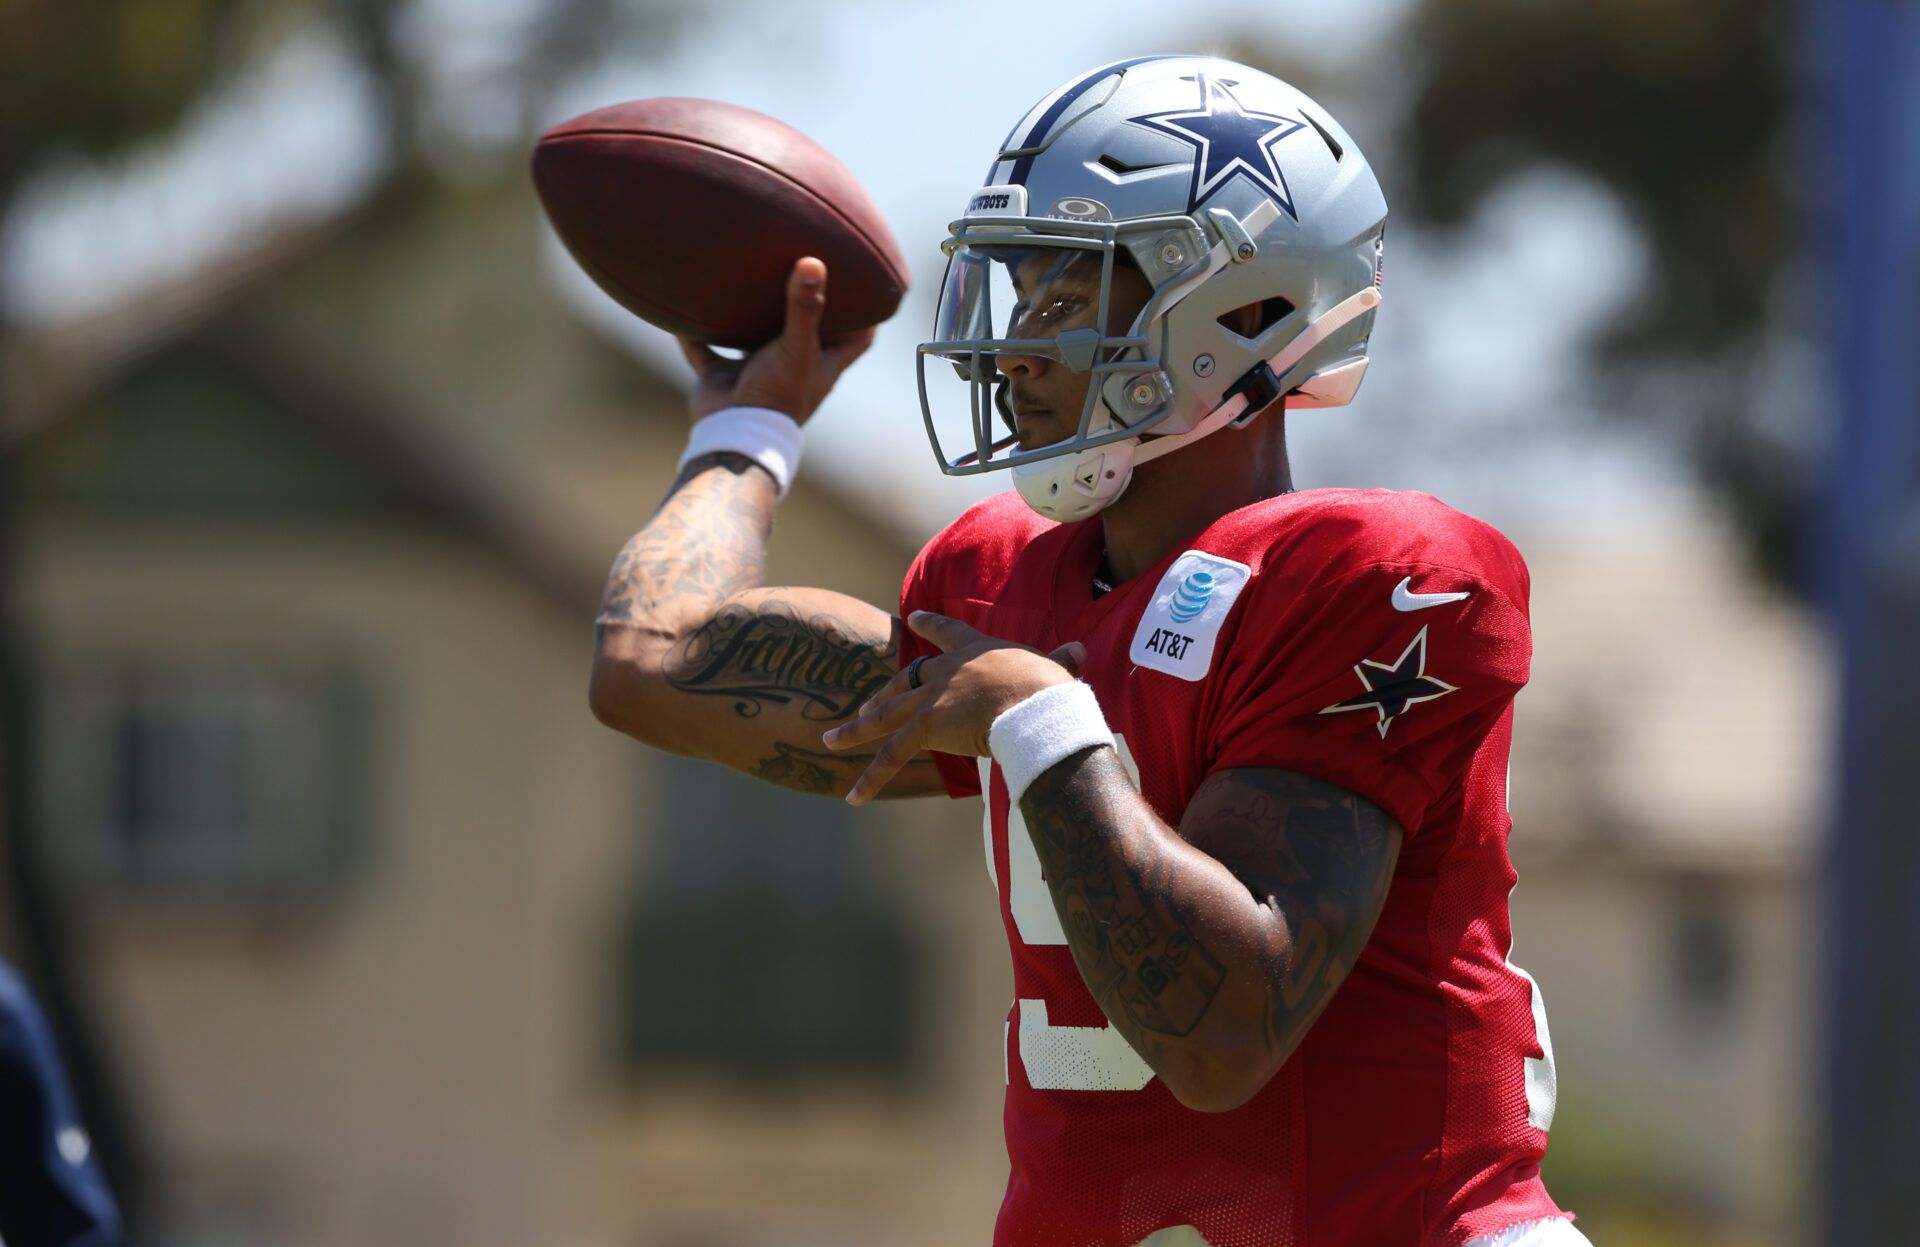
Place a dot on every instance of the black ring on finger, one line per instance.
(913, 670)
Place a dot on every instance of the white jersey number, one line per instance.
(1057, 1058)
(1542, 1083)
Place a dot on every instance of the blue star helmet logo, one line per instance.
(1228, 142)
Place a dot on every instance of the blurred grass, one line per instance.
(1625, 1187)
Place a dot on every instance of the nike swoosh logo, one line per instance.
(1405, 599)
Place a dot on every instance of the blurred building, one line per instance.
(1667, 784)
(394, 943)
(397, 945)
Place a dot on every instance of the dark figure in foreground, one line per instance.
(52, 1193)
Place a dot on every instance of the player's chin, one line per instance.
(1039, 432)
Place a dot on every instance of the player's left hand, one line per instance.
(963, 689)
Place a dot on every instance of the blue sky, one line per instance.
(1476, 392)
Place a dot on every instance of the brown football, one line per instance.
(691, 213)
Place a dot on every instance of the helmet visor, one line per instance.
(1012, 293)
(1032, 328)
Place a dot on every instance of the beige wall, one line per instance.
(1712, 1108)
(423, 1058)
(384, 1067)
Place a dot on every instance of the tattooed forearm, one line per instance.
(693, 656)
(1113, 882)
(1211, 949)
(768, 653)
(706, 543)
(824, 774)
(809, 770)
(1317, 857)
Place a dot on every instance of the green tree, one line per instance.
(1686, 112)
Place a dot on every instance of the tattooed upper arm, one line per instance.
(1316, 855)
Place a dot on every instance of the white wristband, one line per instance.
(1048, 727)
(769, 438)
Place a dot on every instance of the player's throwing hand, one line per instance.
(790, 374)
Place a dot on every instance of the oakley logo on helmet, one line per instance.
(1082, 210)
(1229, 141)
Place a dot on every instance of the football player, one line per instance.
(1242, 748)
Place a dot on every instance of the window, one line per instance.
(221, 774)
(761, 944)
(1705, 961)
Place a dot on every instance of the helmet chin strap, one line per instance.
(1073, 487)
(1289, 357)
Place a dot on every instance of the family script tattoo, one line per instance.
(768, 653)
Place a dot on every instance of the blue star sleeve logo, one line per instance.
(1228, 141)
(1391, 687)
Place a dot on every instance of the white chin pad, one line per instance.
(1072, 487)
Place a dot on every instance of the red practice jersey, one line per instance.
(1369, 638)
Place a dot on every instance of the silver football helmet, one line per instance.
(1227, 190)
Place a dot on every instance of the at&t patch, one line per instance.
(1180, 625)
